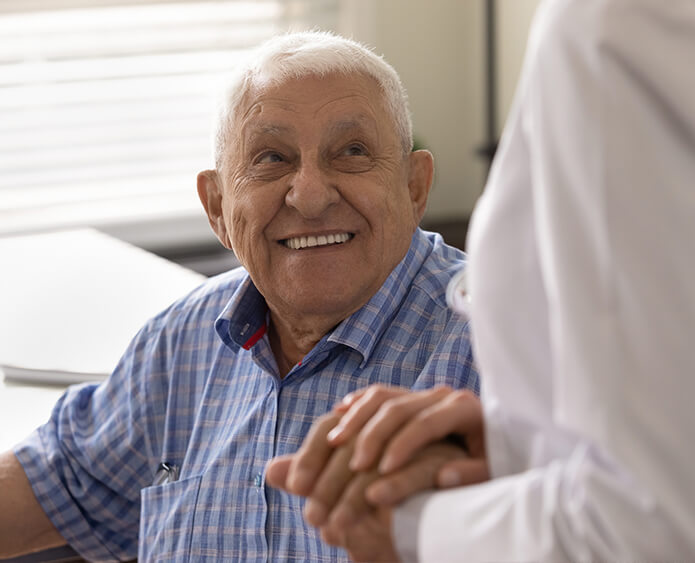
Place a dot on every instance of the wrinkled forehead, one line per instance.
(353, 94)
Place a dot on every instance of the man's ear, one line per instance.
(210, 194)
(421, 172)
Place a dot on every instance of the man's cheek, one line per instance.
(238, 225)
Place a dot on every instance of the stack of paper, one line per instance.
(71, 301)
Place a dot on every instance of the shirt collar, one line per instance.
(244, 319)
(363, 329)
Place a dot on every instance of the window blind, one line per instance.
(106, 108)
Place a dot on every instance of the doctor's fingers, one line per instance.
(312, 456)
(387, 421)
(359, 406)
(459, 413)
(421, 474)
(463, 472)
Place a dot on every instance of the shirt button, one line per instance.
(258, 480)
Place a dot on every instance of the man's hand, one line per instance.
(337, 503)
(351, 485)
(321, 470)
(369, 539)
(299, 473)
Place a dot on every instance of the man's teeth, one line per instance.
(322, 240)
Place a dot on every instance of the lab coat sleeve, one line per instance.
(607, 111)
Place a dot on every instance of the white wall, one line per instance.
(437, 46)
(513, 21)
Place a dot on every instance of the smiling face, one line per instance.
(315, 195)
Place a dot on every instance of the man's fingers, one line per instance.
(370, 539)
(463, 472)
(387, 421)
(333, 536)
(363, 404)
(276, 471)
(352, 505)
(329, 487)
(420, 474)
(458, 413)
(311, 457)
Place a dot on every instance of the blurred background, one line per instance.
(106, 105)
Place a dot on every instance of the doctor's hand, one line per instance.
(367, 413)
(352, 508)
(390, 425)
(336, 502)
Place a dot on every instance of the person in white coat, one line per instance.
(582, 300)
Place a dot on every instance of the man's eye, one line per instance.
(270, 158)
(354, 150)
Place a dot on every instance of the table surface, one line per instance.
(23, 407)
(91, 293)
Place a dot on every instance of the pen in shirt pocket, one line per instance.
(166, 473)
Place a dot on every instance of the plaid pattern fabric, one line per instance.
(198, 388)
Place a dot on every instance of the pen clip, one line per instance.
(166, 473)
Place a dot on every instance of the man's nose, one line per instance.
(311, 191)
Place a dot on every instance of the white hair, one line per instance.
(312, 53)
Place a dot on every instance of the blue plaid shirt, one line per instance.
(198, 387)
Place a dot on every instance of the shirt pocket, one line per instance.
(166, 520)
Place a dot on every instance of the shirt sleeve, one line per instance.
(88, 463)
(608, 115)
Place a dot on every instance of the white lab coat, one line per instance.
(582, 280)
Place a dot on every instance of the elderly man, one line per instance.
(319, 195)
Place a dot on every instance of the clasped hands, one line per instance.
(377, 447)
